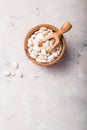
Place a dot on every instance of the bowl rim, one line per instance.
(34, 29)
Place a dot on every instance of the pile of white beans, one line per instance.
(38, 53)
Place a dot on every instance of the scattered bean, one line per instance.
(6, 73)
(15, 65)
(19, 73)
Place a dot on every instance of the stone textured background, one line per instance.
(47, 98)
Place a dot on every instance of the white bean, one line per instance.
(51, 42)
(30, 49)
(49, 30)
(49, 33)
(6, 73)
(48, 54)
(33, 55)
(40, 31)
(43, 28)
(44, 33)
(45, 57)
(19, 73)
(43, 52)
(38, 60)
(35, 42)
(47, 48)
(58, 52)
(39, 37)
(55, 54)
(40, 56)
(44, 61)
(47, 43)
(37, 48)
(33, 36)
(30, 42)
(36, 32)
(15, 65)
(50, 58)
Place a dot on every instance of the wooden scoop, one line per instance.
(57, 35)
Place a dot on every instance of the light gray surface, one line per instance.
(53, 98)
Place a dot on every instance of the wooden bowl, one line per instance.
(34, 29)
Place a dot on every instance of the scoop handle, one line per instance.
(65, 28)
